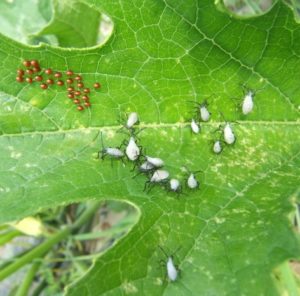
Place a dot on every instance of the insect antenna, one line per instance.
(102, 146)
(222, 115)
(164, 252)
(177, 249)
(197, 172)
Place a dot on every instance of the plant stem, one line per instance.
(42, 249)
(288, 279)
(38, 290)
(36, 252)
(89, 212)
(25, 285)
(255, 7)
(6, 237)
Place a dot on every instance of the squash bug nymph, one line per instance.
(204, 113)
(217, 147)
(202, 110)
(247, 104)
(113, 152)
(195, 127)
(146, 167)
(155, 161)
(191, 181)
(158, 177)
(228, 134)
(132, 150)
(171, 269)
(175, 186)
(132, 120)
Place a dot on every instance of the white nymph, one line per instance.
(192, 182)
(132, 150)
(228, 134)
(195, 127)
(247, 105)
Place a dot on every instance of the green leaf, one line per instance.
(234, 230)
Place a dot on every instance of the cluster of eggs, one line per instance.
(73, 82)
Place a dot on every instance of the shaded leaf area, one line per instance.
(21, 19)
(295, 6)
(74, 24)
(68, 23)
(232, 231)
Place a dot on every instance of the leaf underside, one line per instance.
(234, 230)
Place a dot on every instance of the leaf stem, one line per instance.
(25, 285)
(6, 237)
(288, 279)
(40, 250)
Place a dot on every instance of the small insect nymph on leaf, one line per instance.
(158, 177)
(228, 134)
(217, 147)
(155, 161)
(146, 167)
(171, 269)
(191, 181)
(132, 150)
(195, 127)
(204, 113)
(132, 120)
(113, 152)
(175, 186)
(247, 104)
(248, 99)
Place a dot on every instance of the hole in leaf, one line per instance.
(98, 226)
(59, 23)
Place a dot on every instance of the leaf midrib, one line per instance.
(178, 125)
